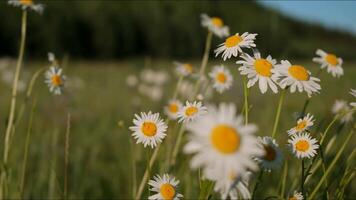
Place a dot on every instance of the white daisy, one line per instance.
(215, 25)
(330, 61)
(297, 77)
(303, 146)
(296, 196)
(302, 124)
(342, 107)
(259, 69)
(353, 93)
(55, 79)
(273, 157)
(149, 129)
(191, 111)
(166, 188)
(222, 78)
(27, 4)
(183, 69)
(173, 108)
(222, 143)
(233, 44)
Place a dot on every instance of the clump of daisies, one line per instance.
(222, 78)
(165, 187)
(215, 25)
(273, 157)
(54, 76)
(331, 62)
(27, 4)
(191, 111)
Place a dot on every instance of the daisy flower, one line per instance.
(297, 77)
(55, 80)
(166, 188)
(173, 108)
(222, 78)
(27, 4)
(215, 25)
(303, 146)
(259, 69)
(222, 144)
(149, 129)
(330, 62)
(296, 196)
(341, 107)
(272, 158)
(233, 44)
(353, 93)
(302, 124)
(191, 111)
(183, 69)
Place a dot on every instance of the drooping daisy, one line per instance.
(27, 4)
(302, 124)
(166, 188)
(342, 107)
(297, 77)
(259, 69)
(273, 157)
(330, 62)
(234, 44)
(191, 111)
(149, 129)
(215, 25)
(353, 93)
(222, 78)
(222, 143)
(296, 196)
(55, 79)
(303, 145)
(173, 108)
(184, 69)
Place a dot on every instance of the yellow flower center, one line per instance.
(232, 41)
(302, 145)
(167, 191)
(26, 2)
(191, 111)
(263, 67)
(221, 77)
(149, 129)
(173, 108)
(332, 59)
(217, 21)
(298, 72)
(293, 198)
(188, 67)
(301, 125)
(225, 139)
(270, 153)
(56, 80)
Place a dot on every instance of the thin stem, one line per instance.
(66, 159)
(302, 182)
(180, 80)
(13, 102)
(284, 179)
(177, 145)
(306, 103)
(245, 99)
(279, 108)
(133, 163)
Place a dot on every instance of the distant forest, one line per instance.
(117, 29)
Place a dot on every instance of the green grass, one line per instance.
(100, 156)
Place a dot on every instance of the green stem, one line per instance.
(284, 178)
(177, 145)
(279, 108)
(257, 184)
(302, 182)
(66, 159)
(245, 99)
(306, 103)
(180, 80)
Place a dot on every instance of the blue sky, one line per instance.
(332, 14)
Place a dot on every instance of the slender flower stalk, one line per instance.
(13, 103)
(180, 80)
(177, 145)
(66, 158)
(279, 108)
(245, 99)
(302, 181)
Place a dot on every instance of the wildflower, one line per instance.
(234, 44)
(296, 196)
(173, 108)
(131, 80)
(183, 69)
(353, 93)
(166, 188)
(303, 145)
(149, 129)
(297, 77)
(55, 79)
(302, 125)
(330, 62)
(341, 107)
(215, 25)
(222, 143)
(222, 78)
(191, 111)
(259, 69)
(27, 4)
(272, 158)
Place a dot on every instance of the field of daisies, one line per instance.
(236, 124)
